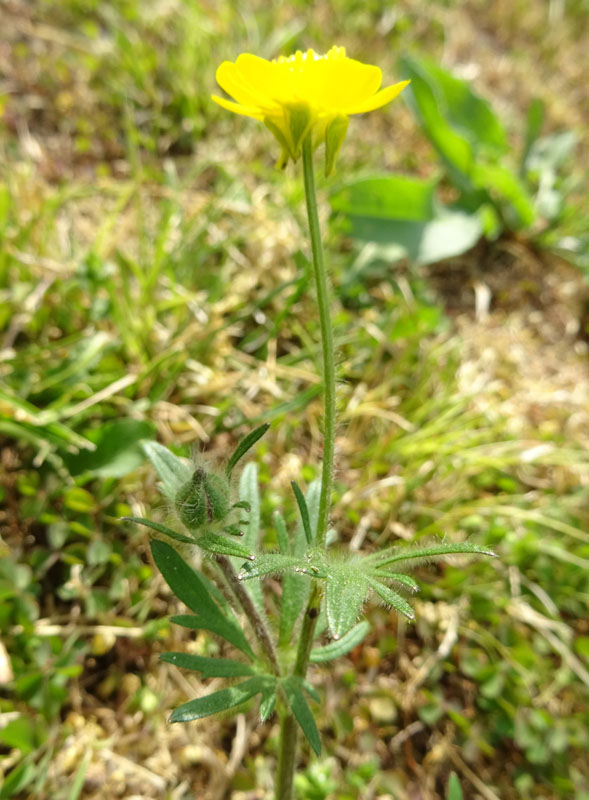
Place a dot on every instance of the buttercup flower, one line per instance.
(304, 93)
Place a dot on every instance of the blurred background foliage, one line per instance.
(152, 286)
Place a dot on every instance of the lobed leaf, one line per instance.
(221, 700)
(302, 712)
(392, 598)
(342, 646)
(296, 588)
(270, 564)
(415, 554)
(208, 667)
(346, 588)
(215, 543)
(188, 585)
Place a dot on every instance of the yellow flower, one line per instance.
(304, 94)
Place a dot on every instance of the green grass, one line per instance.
(151, 285)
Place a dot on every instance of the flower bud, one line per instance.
(203, 499)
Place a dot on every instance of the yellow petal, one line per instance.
(379, 99)
(230, 78)
(263, 75)
(343, 83)
(237, 108)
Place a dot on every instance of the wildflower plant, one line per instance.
(305, 101)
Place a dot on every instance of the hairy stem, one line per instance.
(326, 342)
(288, 724)
(255, 618)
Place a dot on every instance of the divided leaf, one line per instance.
(414, 555)
(208, 667)
(213, 543)
(188, 586)
(392, 598)
(303, 714)
(221, 700)
(346, 588)
(342, 646)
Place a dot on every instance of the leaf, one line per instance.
(117, 452)
(454, 788)
(245, 445)
(499, 180)
(208, 667)
(188, 586)
(403, 214)
(296, 588)
(387, 197)
(281, 533)
(345, 591)
(391, 598)
(342, 646)
(173, 471)
(397, 577)
(304, 511)
(159, 528)
(269, 564)
(215, 543)
(302, 712)
(220, 701)
(416, 554)
(249, 492)
(267, 705)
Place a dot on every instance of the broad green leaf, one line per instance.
(302, 712)
(303, 510)
(467, 113)
(221, 626)
(346, 588)
(246, 444)
(392, 197)
(173, 471)
(159, 528)
(451, 233)
(117, 452)
(187, 585)
(221, 700)
(342, 646)
(392, 598)
(21, 733)
(216, 543)
(296, 588)
(453, 146)
(499, 180)
(454, 788)
(249, 492)
(208, 667)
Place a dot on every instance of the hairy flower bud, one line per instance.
(204, 499)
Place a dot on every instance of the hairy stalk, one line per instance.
(255, 618)
(326, 342)
(288, 724)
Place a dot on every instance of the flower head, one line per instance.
(304, 94)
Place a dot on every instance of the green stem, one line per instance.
(288, 725)
(326, 342)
